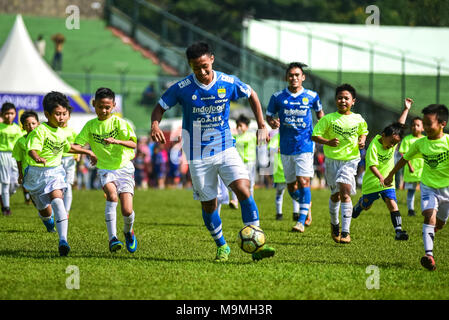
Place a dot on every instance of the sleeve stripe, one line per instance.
(163, 104)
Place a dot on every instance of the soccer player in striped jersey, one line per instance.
(205, 97)
(294, 107)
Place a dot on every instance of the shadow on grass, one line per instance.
(18, 231)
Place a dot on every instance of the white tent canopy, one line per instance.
(23, 70)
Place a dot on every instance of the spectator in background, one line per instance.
(142, 146)
(159, 166)
(148, 96)
(82, 174)
(174, 172)
(139, 165)
(318, 164)
(58, 40)
(40, 45)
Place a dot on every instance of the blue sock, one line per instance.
(212, 222)
(298, 195)
(250, 213)
(304, 203)
(358, 207)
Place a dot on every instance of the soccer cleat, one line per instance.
(233, 205)
(411, 213)
(131, 241)
(335, 232)
(299, 227)
(401, 235)
(295, 216)
(115, 244)
(63, 248)
(264, 252)
(428, 262)
(50, 225)
(223, 253)
(345, 237)
(279, 216)
(308, 221)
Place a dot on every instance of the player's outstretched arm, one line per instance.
(262, 132)
(331, 143)
(399, 165)
(378, 175)
(407, 105)
(76, 148)
(156, 116)
(38, 159)
(362, 141)
(126, 143)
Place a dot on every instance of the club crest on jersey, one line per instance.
(194, 97)
(221, 92)
(305, 100)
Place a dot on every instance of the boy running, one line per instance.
(434, 149)
(413, 169)
(342, 133)
(379, 162)
(44, 177)
(113, 141)
(10, 132)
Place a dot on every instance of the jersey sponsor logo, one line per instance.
(99, 138)
(55, 147)
(184, 83)
(221, 92)
(295, 112)
(209, 109)
(434, 160)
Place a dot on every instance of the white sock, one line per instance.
(334, 209)
(296, 206)
(411, 199)
(110, 214)
(428, 234)
(128, 223)
(346, 216)
(5, 195)
(62, 223)
(68, 198)
(279, 200)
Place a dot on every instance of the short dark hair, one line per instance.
(54, 99)
(292, 65)
(103, 93)
(28, 114)
(8, 106)
(197, 50)
(243, 119)
(415, 118)
(439, 109)
(346, 87)
(395, 128)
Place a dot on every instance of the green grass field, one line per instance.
(175, 255)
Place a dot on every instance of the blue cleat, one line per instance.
(50, 225)
(64, 248)
(115, 244)
(131, 241)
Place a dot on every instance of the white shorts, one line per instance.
(341, 171)
(204, 173)
(251, 167)
(297, 165)
(222, 192)
(123, 178)
(69, 165)
(40, 181)
(8, 168)
(436, 199)
(410, 185)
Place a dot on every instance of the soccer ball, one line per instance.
(251, 238)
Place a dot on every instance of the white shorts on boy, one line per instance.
(297, 165)
(8, 168)
(123, 178)
(436, 199)
(41, 181)
(204, 173)
(69, 165)
(341, 171)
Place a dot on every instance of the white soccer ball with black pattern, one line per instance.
(251, 238)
